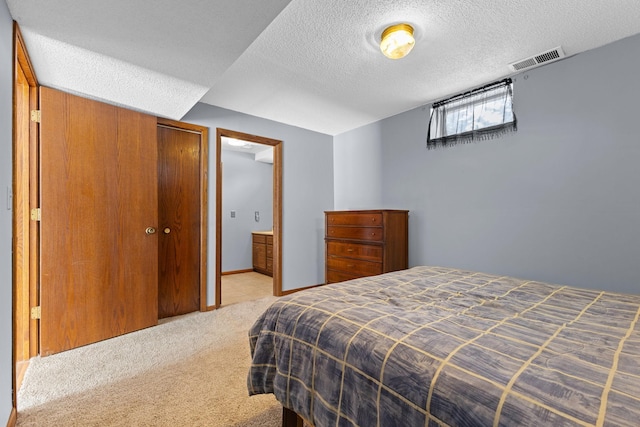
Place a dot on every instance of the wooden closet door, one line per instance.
(98, 177)
(179, 209)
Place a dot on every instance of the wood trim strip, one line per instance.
(21, 222)
(204, 219)
(229, 273)
(22, 56)
(25, 195)
(218, 276)
(293, 291)
(13, 417)
(277, 219)
(249, 137)
(182, 125)
(21, 369)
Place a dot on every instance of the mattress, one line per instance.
(433, 346)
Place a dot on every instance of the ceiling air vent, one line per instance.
(537, 60)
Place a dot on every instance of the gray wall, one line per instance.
(307, 191)
(6, 136)
(357, 160)
(247, 187)
(557, 201)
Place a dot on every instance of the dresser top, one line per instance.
(367, 211)
(265, 233)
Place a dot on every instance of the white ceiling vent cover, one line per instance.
(539, 59)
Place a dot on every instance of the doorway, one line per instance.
(25, 196)
(276, 209)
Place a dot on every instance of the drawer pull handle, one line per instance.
(349, 265)
(349, 250)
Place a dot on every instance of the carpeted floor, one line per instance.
(244, 287)
(188, 371)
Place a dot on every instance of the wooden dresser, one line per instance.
(263, 252)
(365, 243)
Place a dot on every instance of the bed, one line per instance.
(433, 346)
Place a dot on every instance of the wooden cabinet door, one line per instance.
(98, 178)
(259, 252)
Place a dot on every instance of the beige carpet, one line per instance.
(188, 371)
(245, 286)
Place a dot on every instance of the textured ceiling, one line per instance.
(158, 56)
(311, 64)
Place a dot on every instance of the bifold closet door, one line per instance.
(179, 210)
(98, 239)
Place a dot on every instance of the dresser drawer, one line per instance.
(259, 238)
(356, 233)
(355, 250)
(365, 219)
(356, 266)
(340, 276)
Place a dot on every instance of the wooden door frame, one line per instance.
(25, 232)
(277, 206)
(204, 195)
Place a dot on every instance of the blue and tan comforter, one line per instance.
(432, 346)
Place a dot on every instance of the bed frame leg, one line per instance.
(290, 418)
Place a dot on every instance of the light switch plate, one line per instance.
(233, 214)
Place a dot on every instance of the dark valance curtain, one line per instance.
(480, 114)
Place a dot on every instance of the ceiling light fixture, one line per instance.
(397, 41)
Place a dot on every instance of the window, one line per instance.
(477, 115)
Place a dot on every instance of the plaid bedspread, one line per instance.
(432, 346)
